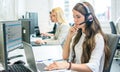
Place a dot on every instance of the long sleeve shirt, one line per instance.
(60, 34)
(96, 62)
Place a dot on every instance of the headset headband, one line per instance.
(86, 8)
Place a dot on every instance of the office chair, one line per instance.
(37, 31)
(113, 40)
(118, 27)
(113, 28)
(118, 32)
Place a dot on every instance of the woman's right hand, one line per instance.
(72, 31)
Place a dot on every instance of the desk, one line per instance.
(44, 52)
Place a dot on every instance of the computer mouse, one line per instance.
(19, 62)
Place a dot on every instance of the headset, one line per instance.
(88, 15)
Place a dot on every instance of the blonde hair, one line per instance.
(59, 14)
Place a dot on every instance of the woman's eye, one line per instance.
(76, 16)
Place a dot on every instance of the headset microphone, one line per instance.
(82, 23)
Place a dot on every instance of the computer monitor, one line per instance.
(33, 16)
(12, 34)
(10, 39)
(26, 30)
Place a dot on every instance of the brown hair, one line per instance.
(90, 31)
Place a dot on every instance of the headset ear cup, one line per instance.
(89, 19)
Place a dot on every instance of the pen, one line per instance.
(44, 60)
(50, 60)
(59, 60)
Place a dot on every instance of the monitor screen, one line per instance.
(12, 35)
(33, 16)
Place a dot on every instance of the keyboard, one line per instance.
(18, 68)
(41, 66)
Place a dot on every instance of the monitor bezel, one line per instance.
(4, 32)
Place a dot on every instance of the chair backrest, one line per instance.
(37, 31)
(113, 40)
(118, 27)
(113, 28)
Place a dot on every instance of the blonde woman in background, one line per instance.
(57, 16)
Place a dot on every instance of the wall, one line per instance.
(8, 10)
(42, 8)
(21, 8)
(14, 9)
(115, 9)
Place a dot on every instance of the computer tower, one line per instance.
(26, 29)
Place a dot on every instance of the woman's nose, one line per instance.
(75, 20)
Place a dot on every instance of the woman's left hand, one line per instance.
(57, 65)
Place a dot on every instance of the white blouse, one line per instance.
(60, 34)
(96, 62)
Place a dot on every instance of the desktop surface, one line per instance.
(45, 53)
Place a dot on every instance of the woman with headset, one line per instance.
(86, 45)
